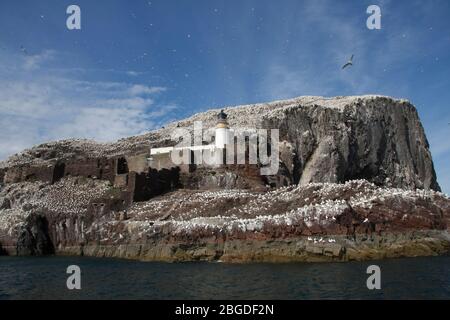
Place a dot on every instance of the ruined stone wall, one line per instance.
(29, 173)
(103, 169)
(138, 163)
(161, 161)
(154, 182)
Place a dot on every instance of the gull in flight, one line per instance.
(349, 63)
(22, 48)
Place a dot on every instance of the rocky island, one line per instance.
(355, 182)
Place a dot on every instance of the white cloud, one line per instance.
(45, 106)
(163, 110)
(139, 89)
(105, 124)
(32, 62)
(133, 73)
(133, 102)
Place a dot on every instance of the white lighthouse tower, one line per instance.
(222, 130)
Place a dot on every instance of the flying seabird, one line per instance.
(22, 48)
(349, 63)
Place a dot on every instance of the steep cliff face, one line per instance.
(376, 138)
(351, 168)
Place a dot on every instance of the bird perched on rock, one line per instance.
(349, 63)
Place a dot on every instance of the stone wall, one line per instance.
(137, 163)
(29, 173)
(103, 169)
(153, 183)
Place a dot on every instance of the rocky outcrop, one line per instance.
(376, 138)
(356, 181)
(380, 139)
(33, 238)
(318, 222)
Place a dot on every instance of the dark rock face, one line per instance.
(2, 176)
(153, 183)
(5, 204)
(34, 239)
(345, 190)
(243, 176)
(379, 140)
(58, 171)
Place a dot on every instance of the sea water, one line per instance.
(101, 278)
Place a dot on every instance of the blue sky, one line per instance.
(136, 65)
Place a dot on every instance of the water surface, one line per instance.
(45, 278)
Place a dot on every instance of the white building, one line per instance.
(159, 157)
